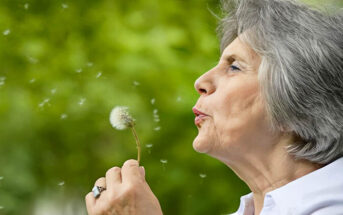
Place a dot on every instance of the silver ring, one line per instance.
(97, 191)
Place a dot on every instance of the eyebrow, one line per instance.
(234, 57)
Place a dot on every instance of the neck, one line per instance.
(269, 170)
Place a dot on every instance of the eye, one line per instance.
(234, 68)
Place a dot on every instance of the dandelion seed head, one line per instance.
(6, 32)
(120, 118)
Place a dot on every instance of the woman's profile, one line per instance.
(271, 110)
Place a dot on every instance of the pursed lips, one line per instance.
(199, 116)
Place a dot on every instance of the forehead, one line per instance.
(241, 51)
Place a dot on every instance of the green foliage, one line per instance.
(65, 64)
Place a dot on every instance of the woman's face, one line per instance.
(230, 96)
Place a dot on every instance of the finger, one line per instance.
(101, 182)
(130, 172)
(142, 171)
(90, 202)
(113, 177)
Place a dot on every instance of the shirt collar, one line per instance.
(306, 187)
(296, 192)
(247, 204)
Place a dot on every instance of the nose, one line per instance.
(204, 85)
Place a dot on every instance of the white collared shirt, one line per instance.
(317, 193)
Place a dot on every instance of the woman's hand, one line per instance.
(127, 193)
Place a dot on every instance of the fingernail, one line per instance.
(131, 162)
(142, 170)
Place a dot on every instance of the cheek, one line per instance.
(241, 119)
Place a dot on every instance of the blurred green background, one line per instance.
(65, 64)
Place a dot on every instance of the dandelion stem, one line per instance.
(137, 143)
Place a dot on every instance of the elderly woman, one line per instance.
(271, 110)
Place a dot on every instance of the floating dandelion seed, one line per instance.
(148, 145)
(90, 64)
(53, 91)
(2, 80)
(65, 6)
(63, 116)
(1, 207)
(121, 119)
(82, 101)
(156, 119)
(202, 175)
(156, 116)
(163, 161)
(61, 183)
(136, 83)
(26, 6)
(153, 100)
(45, 101)
(32, 80)
(99, 74)
(155, 111)
(178, 99)
(79, 70)
(157, 128)
(2, 83)
(6, 32)
(32, 60)
(1, 178)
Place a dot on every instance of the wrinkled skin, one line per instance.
(127, 193)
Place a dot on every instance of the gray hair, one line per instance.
(301, 72)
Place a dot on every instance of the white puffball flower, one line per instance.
(120, 118)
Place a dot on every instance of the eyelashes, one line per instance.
(234, 68)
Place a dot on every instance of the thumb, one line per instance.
(142, 171)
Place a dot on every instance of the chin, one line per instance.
(201, 144)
